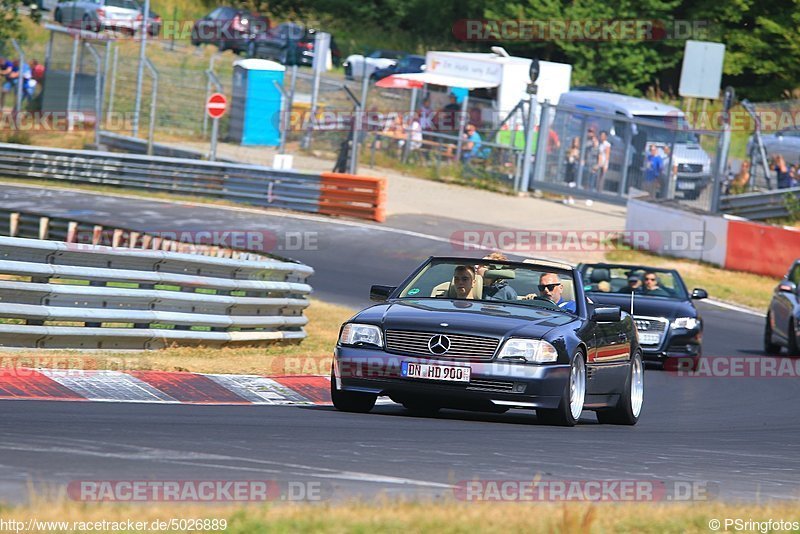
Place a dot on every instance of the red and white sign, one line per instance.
(217, 105)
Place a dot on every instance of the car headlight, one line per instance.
(529, 350)
(357, 334)
(690, 323)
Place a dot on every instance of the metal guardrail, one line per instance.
(71, 295)
(39, 226)
(759, 206)
(329, 193)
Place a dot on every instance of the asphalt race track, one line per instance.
(740, 434)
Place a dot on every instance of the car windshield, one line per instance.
(639, 280)
(489, 280)
(675, 131)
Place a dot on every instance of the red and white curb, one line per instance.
(162, 387)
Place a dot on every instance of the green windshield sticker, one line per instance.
(413, 291)
(587, 288)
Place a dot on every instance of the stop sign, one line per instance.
(216, 105)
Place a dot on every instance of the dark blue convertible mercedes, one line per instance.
(488, 335)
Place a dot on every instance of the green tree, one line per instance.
(627, 58)
(9, 25)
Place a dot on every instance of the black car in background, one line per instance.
(289, 43)
(669, 326)
(469, 334)
(406, 65)
(229, 28)
(783, 317)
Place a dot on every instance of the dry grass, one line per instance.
(745, 289)
(384, 515)
(311, 356)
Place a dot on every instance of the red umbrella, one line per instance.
(395, 82)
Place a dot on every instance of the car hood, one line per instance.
(647, 306)
(690, 153)
(465, 317)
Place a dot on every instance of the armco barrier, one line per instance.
(727, 241)
(38, 226)
(354, 196)
(68, 295)
(759, 206)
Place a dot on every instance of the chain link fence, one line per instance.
(609, 156)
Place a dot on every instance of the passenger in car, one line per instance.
(634, 285)
(651, 287)
(463, 281)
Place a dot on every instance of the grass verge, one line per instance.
(383, 515)
(311, 356)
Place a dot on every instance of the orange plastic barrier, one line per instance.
(353, 196)
(760, 248)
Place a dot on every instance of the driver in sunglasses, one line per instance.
(550, 288)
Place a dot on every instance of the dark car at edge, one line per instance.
(782, 327)
(427, 346)
(670, 329)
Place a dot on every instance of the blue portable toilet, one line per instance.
(257, 103)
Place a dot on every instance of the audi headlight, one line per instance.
(358, 334)
(690, 323)
(528, 350)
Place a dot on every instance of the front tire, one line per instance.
(571, 405)
(769, 346)
(629, 406)
(351, 401)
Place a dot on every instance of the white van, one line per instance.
(691, 165)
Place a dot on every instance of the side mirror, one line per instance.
(787, 286)
(699, 293)
(380, 293)
(607, 314)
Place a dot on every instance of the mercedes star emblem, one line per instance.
(439, 344)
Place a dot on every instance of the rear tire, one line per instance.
(794, 350)
(629, 406)
(351, 401)
(769, 346)
(571, 405)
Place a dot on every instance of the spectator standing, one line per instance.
(652, 173)
(781, 172)
(741, 180)
(603, 159)
(426, 115)
(573, 157)
(591, 156)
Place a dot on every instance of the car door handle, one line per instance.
(623, 336)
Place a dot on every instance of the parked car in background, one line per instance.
(289, 43)
(153, 22)
(669, 326)
(406, 65)
(785, 142)
(379, 59)
(229, 28)
(101, 15)
(782, 327)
